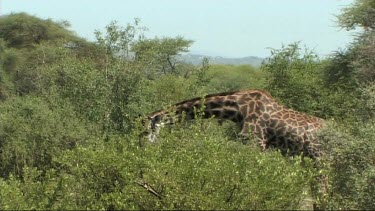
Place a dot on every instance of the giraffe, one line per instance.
(256, 113)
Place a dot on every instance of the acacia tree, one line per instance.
(130, 58)
(21, 30)
(294, 77)
(361, 14)
(117, 41)
(160, 54)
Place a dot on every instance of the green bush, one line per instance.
(21, 30)
(294, 77)
(195, 167)
(32, 132)
(231, 77)
(191, 167)
(31, 192)
(349, 158)
(68, 139)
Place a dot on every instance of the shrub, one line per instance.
(295, 78)
(195, 167)
(349, 158)
(32, 132)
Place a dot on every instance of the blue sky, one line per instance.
(231, 28)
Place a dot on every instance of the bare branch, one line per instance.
(149, 189)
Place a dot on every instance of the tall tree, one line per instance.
(21, 30)
(160, 54)
(361, 14)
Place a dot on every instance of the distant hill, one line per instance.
(196, 59)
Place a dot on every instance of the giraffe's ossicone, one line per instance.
(255, 112)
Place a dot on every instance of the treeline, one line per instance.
(69, 126)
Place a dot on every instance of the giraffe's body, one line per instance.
(254, 111)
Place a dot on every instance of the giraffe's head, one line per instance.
(153, 122)
(151, 128)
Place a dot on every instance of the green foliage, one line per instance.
(368, 102)
(294, 77)
(339, 73)
(101, 175)
(334, 87)
(190, 169)
(116, 43)
(350, 71)
(349, 158)
(29, 68)
(195, 168)
(160, 54)
(32, 132)
(118, 40)
(361, 13)
(31, 43)
(94, 176)
(11, 59)
(32, 192)
(168, 89)
(347, 69)
(364, 62)
(230, 77)
(21, 30)
(4, 81)
(69, 139)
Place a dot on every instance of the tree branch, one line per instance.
(149, 189)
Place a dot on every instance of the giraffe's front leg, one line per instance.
(258, 134)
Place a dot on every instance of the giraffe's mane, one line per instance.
(212, 95)
(222, 94)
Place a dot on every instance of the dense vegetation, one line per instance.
(69, 126)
